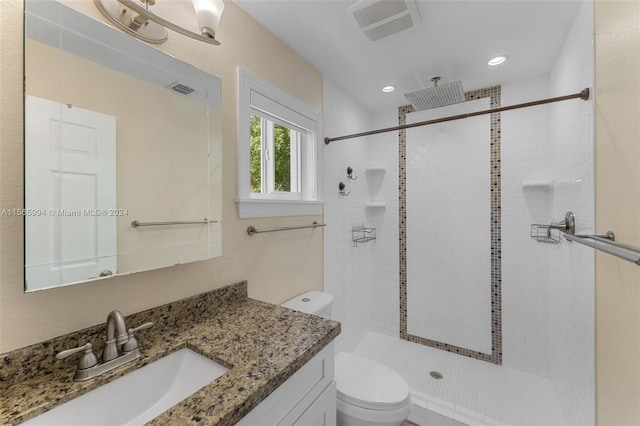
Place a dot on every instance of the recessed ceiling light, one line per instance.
(497, 60)
(388, 89)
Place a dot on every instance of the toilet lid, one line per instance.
(366, 383)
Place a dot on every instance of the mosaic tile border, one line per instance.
(494, 93)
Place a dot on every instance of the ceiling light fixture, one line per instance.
(388, 89)
(148, 20)
(497, 60)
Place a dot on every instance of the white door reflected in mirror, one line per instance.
(70, 178)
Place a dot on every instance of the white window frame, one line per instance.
(257, 97)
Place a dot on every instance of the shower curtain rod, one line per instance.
(584, 95)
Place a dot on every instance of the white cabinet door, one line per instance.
(290, 402)
(323, 410)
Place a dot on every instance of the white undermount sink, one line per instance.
(139, 396)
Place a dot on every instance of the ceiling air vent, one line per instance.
(378, 19)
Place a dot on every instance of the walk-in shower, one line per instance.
(454, 282)
(476, 299)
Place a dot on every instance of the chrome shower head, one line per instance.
(436, 96)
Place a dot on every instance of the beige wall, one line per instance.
(617, 101)
(276, 265)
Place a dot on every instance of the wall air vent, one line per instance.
(180, 88)
(378, 19)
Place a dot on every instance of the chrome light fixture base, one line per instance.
(132, 22)
(137, 20)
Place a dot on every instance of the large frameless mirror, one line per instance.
(122, 153)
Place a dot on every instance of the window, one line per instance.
(279, 154)
(275, 163)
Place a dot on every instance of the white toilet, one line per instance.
(369, 393)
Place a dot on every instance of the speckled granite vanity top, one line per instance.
(261, 344)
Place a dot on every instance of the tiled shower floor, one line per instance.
(475, 392)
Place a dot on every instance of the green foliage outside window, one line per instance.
(282, 147)
(282, 162)
(255, 153)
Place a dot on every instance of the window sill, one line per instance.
(253, 208)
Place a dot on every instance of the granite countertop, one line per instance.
(261, 344)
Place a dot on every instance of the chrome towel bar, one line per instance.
(251, 230)
(136, 224)
(608, 244)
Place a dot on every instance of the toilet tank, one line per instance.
(312, 302)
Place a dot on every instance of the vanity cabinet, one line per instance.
(308, 398)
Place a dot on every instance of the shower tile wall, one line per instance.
(525, 157)
(448, 238)
(549, 290)
(386, 291)
(571, 266)
(347, 269)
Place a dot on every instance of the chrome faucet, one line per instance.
(118, 350)
(115, 320)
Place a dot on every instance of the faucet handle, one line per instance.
(132, 343)
(87, 360)
(140, 327)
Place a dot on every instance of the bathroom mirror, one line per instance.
(122, 153)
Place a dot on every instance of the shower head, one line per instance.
(436, 96)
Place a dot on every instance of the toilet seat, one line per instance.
(367, 384)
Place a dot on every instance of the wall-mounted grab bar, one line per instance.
(136, 223)
(252, 229)
(605, 243)
(608, 244)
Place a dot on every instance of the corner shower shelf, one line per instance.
(381, 170)
(375, 205)
(545, 184)
(361, 234)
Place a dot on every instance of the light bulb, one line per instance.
(208, 13)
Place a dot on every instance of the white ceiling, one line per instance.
(454, 40)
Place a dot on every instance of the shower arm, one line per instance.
(584, 95)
